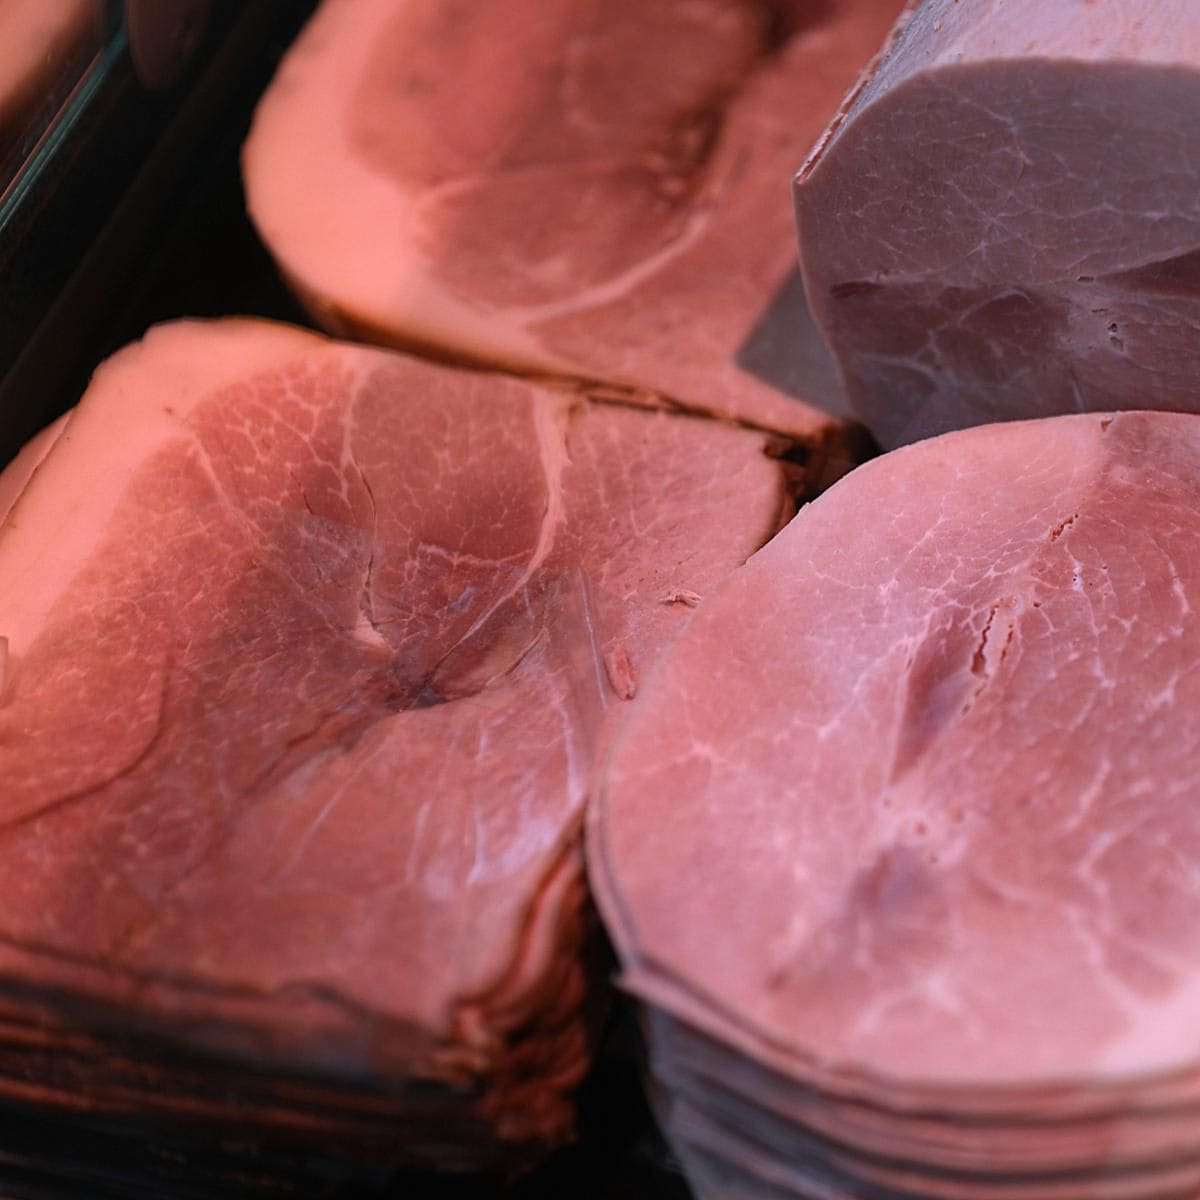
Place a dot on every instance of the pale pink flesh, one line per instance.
(305, 690)
(946, 715)
(602, 197)
(1002, 224)
(917, 917)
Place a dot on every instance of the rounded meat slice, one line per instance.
(594, 188)
(914, 795)
(1003, 224)
(900, 843)
(310, 649)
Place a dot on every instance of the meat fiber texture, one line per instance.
(900, 844)
(585, 188)
(309, 650)
(1003, 223)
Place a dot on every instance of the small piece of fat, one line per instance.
(681, 596)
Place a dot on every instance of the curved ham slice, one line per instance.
(20, 471)
(921, 905)
(592, 188)
(310, 651)
(1003, 225)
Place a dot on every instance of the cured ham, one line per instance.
(309, 651)
(587, 188)
(899, 844)
(1002, 224)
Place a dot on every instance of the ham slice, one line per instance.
(899, 844)
(1024, 239)
(309, 651)
(587, 188)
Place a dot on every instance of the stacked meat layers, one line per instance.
(308, 651)
(919, 920)
(44, 45)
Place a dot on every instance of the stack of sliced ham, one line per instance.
(900, 845)
(308, 652)
(589, 188)
(1003, 224)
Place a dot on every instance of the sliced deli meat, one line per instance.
(593, 188)
(899, 844)
(309, 651)
(1003, 224)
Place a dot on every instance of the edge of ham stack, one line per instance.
(584, 188)
(900, 844)
(307, 652)
(1002, 224)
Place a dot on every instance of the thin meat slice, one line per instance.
(919, 915)
(1003, 223)
(594, 188)
(310, 650)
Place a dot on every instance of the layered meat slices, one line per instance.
(901, 843)
(1004, 222)
(593, 188)
(309, 650)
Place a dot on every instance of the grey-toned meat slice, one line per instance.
(310, 649)
(593, 188)
(923, 898)
(1003, 224)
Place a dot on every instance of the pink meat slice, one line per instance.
(1002, 224)
(592, 188)
(929, 759)
(311, 648)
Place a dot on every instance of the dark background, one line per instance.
(136, 216)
